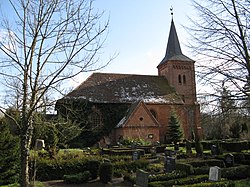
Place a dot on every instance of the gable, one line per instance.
(138, 116)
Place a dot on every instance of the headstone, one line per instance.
(176, 147)
(214, 173)
(153, 151)
(134, 146)
(135, 155)
(141, 178)
(39, 145)
(214, 150)
(188, 147)
(168, 152)
(229, 160)
(170, 164)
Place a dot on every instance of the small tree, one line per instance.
(9, 155)
(174, 133)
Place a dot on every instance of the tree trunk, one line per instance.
(24, 169)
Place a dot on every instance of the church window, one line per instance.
(179, 79)
(184, 79)
(95, 119)
(153, 112)
(141, 118)
(150, 136)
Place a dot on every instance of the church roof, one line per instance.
(173, 51)
(125, 88)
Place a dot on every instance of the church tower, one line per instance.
(178, 69)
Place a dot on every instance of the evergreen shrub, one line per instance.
(210, 162)
(179, 181)
(213, 184)
(188, 168)
(77, 178)
(167, 176)
(236, 173)
(55, 169)
(106, 172)
(201, 170)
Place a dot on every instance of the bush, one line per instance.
(181, 181)
(77, 178)
(55, 169)
(213, 184)
(236, 173)
(106, 172)
(210, 162)
(188, 168)
(167, 176)
(201, 170)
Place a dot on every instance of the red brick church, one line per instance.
(139, 106)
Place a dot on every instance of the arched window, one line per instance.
(184, 79)
(153, 112)
(95, 119)
(179, 79)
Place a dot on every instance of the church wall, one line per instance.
(180, 75)
(150, 134)
(163, 113)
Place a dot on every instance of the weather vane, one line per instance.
(171, 10)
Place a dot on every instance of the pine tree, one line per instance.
(9, 155)
(174, 133)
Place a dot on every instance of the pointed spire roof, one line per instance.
(173, 51)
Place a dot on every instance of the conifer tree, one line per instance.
(174, 133)
(9, 154)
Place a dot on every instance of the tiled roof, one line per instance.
(125, 88)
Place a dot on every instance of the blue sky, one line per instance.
(138, 31)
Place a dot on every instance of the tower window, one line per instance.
(179, 79)
(184, 79)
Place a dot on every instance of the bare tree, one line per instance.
(49, 41)
(220, 37)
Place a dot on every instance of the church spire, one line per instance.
(173, 51)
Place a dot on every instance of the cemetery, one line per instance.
(146, 165)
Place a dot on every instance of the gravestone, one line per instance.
(168, 152)
(176, 147)
(153, 151)
(141, 178)
(169, 164)
(188, 147)
(214, 150)
(135, 155)
(229, 160)
(214, 173)
(39, 145)
(134, 146)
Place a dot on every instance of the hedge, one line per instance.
(213, 184)
(236, 173)
(77, 178)
(181, 181)
(56, 169)
(188, 168)
(167, 176)
(210, 162)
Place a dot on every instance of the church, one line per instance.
(121, 106)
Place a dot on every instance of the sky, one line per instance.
(138, 33)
